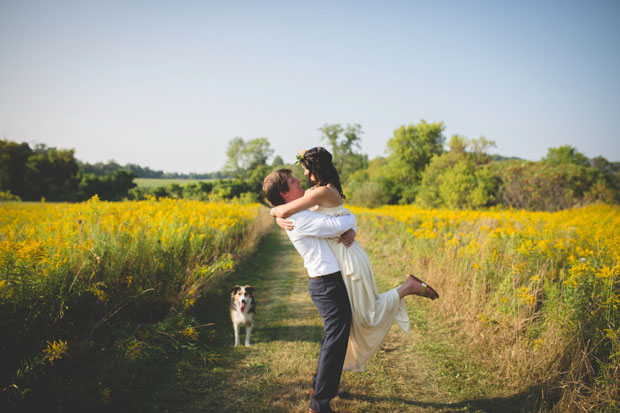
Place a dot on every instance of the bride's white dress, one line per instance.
(373, 313)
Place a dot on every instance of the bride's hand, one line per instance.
(286, 224)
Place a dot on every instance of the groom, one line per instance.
(326, 287)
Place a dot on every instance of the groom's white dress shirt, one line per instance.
(309, 236)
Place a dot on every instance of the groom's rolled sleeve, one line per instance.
(314, 224)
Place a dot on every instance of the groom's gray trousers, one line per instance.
(330, 297)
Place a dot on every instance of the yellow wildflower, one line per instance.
(55, 350)
(190, 333)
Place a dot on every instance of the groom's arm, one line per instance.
(314, 224)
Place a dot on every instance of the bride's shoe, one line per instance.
(428, 290)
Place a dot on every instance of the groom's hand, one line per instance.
(347, 238)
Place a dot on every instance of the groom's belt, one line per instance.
(332, 275)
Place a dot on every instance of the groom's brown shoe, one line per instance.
(312, 411)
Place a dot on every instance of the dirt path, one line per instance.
(420, 372)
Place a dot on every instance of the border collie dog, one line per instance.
(242, 310)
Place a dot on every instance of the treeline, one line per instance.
(419, 168)
(101, 169)
(32, 174)
(249, 161)
(247, 164)
(213, 190)
(42, 172)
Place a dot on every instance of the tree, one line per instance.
(277, 162)
(540, 186)
(610, 172)
(199, 190)
(409, 152)
(458, 144)
(234, 156)
(113, 186)
(459, 179)
(13, 170)
(243, 157)
(566, 154)
(143, 172)
(412, 147)
(344, 143)
(370, 187)
(256, 153)
(480, 148)
(230, 188)
(466, 185)
(52, 173)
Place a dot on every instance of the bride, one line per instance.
(372, 313)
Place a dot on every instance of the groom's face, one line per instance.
(295, 190)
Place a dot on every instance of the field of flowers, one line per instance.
(538, 292)
(91, 289)
(94, 297)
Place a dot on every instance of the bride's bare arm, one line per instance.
(311, 198)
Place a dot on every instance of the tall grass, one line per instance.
(537, 293)
(92, 295)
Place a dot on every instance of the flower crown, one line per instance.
(300, 157)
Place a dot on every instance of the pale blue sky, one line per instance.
(168, 84)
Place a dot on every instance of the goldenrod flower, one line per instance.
(55, 350)
(190, 333)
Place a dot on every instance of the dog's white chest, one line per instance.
(240, 318)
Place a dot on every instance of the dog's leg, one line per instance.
(236, 327)
(248, 330)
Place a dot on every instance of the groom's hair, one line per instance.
(275, 183)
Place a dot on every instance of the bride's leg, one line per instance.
(413, 286)
(409, 287)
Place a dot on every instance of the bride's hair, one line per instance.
(318, 161)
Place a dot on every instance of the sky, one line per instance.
(167, 84)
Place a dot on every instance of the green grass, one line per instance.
(156, 182)
(426, 371)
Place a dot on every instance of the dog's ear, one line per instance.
(249, 289)
(234, 289)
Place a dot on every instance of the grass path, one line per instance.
(421, 372)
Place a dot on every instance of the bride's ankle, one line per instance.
(403, 290)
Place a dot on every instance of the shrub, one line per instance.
(544, 186)
(455, 180)
(369, 194)
(8, 196)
